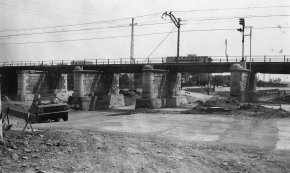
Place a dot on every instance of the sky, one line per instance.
(45, 30)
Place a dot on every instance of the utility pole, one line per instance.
(226, 50)
(132, 59)
(177, 24)
(250, 43)
(132, 42)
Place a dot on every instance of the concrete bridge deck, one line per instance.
(214, 67)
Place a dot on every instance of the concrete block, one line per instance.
(175, 101)
(81, 103)
(149, 103)
(110, 101)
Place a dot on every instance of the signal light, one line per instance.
(242, 21)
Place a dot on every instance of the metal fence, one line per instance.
(158, 60)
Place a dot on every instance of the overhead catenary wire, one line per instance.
(124, 36)
(127, 18)
(79, 24)
(57, 8)
(160, 43)
(33, 12)
(148, 24)
(226, 9)
(82, 29)
(236, 17)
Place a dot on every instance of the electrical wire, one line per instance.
(83, 29)
(148, 24)
(124, 36)
(140, 16)
(37, 13)
(57, 8)
(81, 24)
(161, 42)
(226, 9)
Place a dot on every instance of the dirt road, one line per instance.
(113, 141)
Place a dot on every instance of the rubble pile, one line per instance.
(231, 106)
(30, 150)
(263, 112)
(216, 104)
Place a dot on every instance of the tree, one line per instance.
(217, 80)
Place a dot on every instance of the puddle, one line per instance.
(284, 135)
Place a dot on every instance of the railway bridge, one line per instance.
(96, 81)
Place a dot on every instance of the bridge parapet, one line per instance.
(155, 60)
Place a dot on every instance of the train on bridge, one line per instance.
(191, 58)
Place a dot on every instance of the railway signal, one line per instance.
(242, 30)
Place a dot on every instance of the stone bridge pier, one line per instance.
(243, 83)
(160, 88)
(31, 83)
(96, 90)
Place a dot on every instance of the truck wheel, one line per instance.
(65, 117)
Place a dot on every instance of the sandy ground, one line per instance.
(113, 141)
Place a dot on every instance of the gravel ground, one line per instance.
(96, 151)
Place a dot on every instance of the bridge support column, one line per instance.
(174, 98)
(29, 83)
(22, 77)
(149, 94)
(79, 99)
(239, 82)
(96, 90)
(108, 94)
(252, 94)
(32, 83)
(61, 90)
(252, 82)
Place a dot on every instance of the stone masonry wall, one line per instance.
(166, 84)
(91, 82)
(32, 83)
(160, 85)
(100, 84)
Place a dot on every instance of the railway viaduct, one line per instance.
(96, 84)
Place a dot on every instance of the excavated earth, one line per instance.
(84, 143)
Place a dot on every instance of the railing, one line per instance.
(215, 59)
